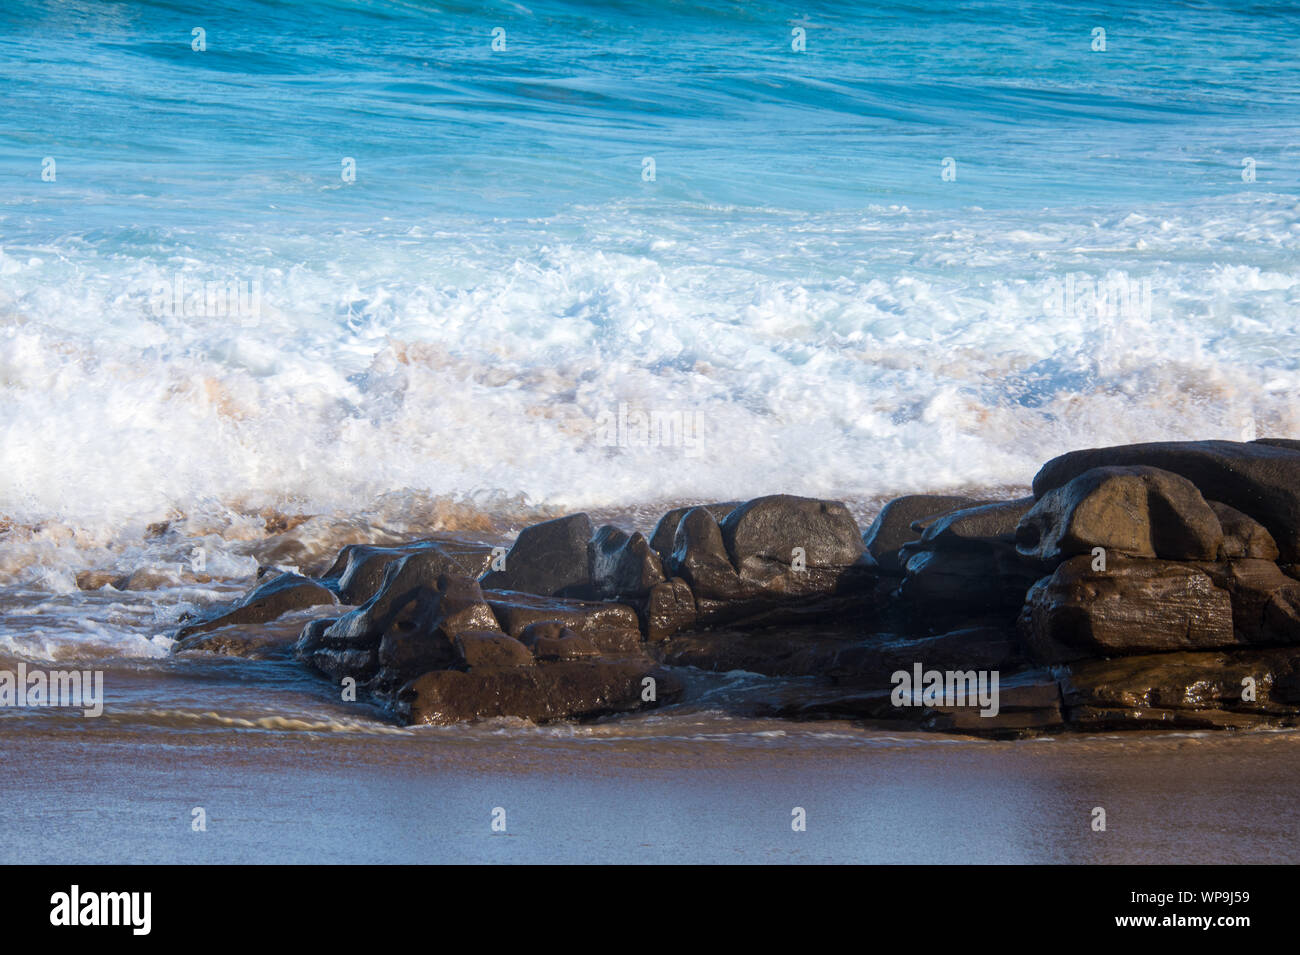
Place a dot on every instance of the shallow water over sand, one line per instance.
(286, 775)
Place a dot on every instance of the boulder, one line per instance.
(1243, 536)
(423, 634)
(1133, 511)
(1265, 601)
(1191, 691)
(482, 648)
(612, 627)
(359, 569)
(417, 610)
(1131, 607)
(667, 609)
(700, 558)
(984, 522)
(266, 601)
(770, 529)
(547, 559)
(892, 527)
(665, 532)
(978, 576)
(553, 691)
(622, 564)
(1258, 479)
(703, 559)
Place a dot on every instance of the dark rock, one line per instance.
(268, 600)
(548, 559)
(622, 565)
(1028, 704)
(667, 609)
(1265, 601)
(1133, 511)
(359, 569)
(700, 558)
(1181, 690)
(985, 575)
(613, 628)
(1131, 607)
(985, 522)
(871, 662)
(479, 648)
(553, 691)
(423, 635)
(769, 529)
(772, 652)
(552, 641)
(273, 640)
(665, 532)
(1243, 536)
(892, 527)
(416, 613)
(722, 592)
(1261, 480)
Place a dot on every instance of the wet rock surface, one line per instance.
(1140, 587)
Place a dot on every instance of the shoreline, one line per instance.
(427, 796)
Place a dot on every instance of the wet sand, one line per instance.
(677, 787)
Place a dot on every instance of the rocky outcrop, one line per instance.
(1140, 587)
(1259, 478)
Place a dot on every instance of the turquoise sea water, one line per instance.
(502, 269)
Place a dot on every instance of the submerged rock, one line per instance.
(268, 600)
(546, 693)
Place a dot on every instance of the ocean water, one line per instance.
(798, 283)
(279, 277)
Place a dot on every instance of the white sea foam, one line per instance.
(835, 354)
